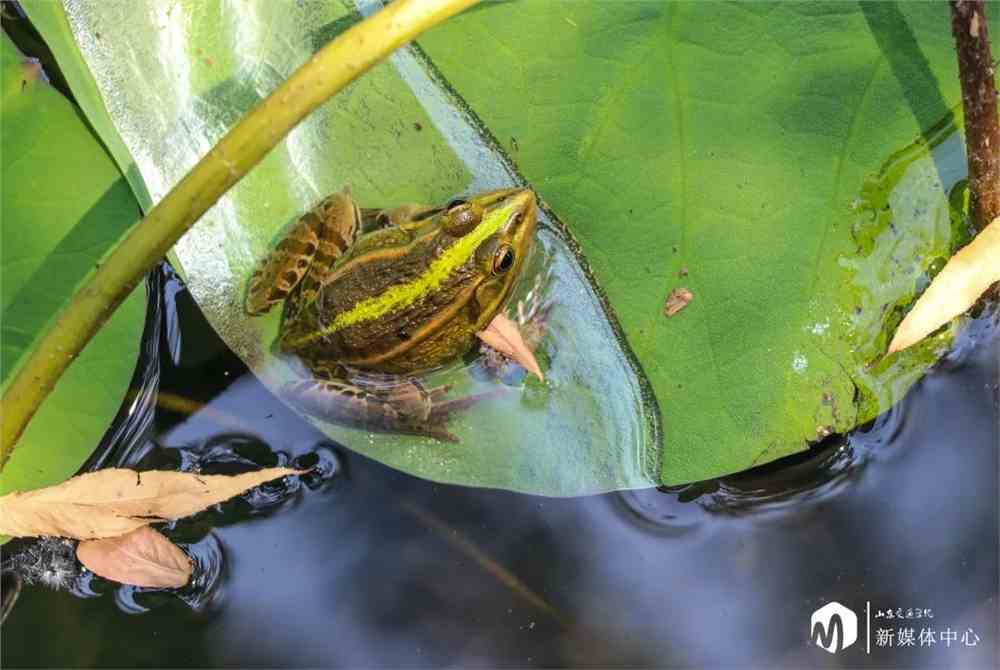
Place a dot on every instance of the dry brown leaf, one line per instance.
(143, 557)
(677, 300)
(113, 502)
(504, 335)
(963, 279)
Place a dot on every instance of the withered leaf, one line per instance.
(142, 557)
(964, 278)
(504, 335)
(677, 300)
(113, 502)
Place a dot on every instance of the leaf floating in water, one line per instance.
(142, 557)
(677, 300)
(116, 501)
(505, 336)
(960, 283)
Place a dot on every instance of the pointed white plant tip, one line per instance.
(955, 289)
(504, 335)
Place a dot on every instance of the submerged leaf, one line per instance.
(142, 557)
(963, 280)
(504, 335)
(115, 501)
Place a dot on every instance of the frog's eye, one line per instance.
(461, 219)
(457, 202)
(503, 260)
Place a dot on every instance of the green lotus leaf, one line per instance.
(773, 158)
(64, 204)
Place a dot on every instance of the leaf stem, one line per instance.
(979, 98)
(336, 65)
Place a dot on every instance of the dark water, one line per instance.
(367, 567)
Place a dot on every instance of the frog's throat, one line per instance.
(402, 295)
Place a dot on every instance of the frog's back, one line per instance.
(379, 308)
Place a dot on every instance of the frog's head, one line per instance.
(498, 230)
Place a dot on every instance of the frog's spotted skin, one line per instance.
(316, 240)
(391, 293)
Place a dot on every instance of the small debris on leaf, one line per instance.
(677, 300)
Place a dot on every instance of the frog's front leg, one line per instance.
(405, 407)
(308, 250)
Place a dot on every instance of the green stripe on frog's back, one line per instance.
(401, 295)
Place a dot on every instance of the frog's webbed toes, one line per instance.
(442, 411)
(439, 433)
(434, 423)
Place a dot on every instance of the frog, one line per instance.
(374, 299)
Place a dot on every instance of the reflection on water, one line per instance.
(374, 568)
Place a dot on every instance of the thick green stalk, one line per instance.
(336, 65)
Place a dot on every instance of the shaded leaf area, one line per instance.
(64, 203)
(184, 74)
(765, 152)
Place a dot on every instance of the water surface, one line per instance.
(374, 568)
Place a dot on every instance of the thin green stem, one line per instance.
(336, 65)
